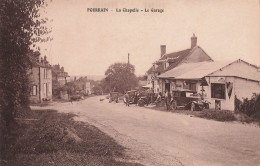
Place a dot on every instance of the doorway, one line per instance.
(167, 87)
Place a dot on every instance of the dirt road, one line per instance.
(164, 138)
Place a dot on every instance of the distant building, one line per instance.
(168, 61)
(89, 87)
(59, 75)
(41, 80)
(86, 86)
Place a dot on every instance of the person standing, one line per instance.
(127, 99)
(168, 100)
(159, 98)
(136, 98)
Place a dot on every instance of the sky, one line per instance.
(87, 43)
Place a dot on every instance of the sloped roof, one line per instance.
(177, 56)
(201, 69)
(182, 69)
(239, 72)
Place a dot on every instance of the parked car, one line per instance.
(113, 97)
(198, 105)
(185, 99)
(145, 98)
(133, 98)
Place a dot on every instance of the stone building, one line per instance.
(168, 61)
(84, 85)
(59, 75)
(41, 80)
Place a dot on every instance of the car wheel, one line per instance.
(140, 103)
(207, 106)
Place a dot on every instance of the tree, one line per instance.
(20, 27)
(120, 77)
(97, 89)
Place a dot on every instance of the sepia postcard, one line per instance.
(127, 82)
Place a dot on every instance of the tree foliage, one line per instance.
(20, 26)
(120, 77)
(250, 107)
(97, 89)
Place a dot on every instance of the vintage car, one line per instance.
(187, 99)
(145, 98)
(142, 101)
(113, 96)
(182, 98)
(198, 105)
(133, 98)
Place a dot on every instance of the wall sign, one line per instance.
(229, 88)
(152, 77)
(221, 79)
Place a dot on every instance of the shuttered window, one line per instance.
(34, 90)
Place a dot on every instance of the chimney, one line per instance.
(163, 50)
(38, 58)
(45, 61)
(193, 41)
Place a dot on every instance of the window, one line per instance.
(34, 90)
(45, 73)
(193, 86)
(176, 94)
(189, 85)
(45, 89)
(218, 91)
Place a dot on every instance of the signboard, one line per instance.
(153, 77)
(221, 79)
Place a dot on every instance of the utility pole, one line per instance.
(128, 58)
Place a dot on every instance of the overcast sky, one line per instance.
(87, 43)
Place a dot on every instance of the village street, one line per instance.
(164, 138)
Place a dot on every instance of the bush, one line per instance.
(250, 107)
(220, 115)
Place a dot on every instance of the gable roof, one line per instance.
(239, 72)
(174, 59)
(187, 70)
(202, 69)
